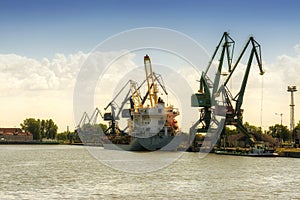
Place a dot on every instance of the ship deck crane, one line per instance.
(152, 86)
(112, 116)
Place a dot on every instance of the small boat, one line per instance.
(258, 150)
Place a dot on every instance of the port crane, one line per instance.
(234, 116)
(208, 89)
(85, 119)
(203, 98)
(112, 116)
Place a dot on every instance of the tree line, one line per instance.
(277, 131)
(40, 129)
(47, 129)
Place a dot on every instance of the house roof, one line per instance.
(13, 131)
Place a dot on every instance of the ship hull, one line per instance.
(166, 143)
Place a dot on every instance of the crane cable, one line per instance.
(261, 102)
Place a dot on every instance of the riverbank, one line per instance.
(289, 152)
(282, 152)
(29, 142)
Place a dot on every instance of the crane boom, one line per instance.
(236, 117)
(150, 81)
(226, 41)
(255, 51)
(135, 95)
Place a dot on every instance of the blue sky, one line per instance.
(41, 34)
(40, 29)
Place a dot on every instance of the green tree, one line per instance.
(62, 136)
(43, 128)
(230, 131)
(297, 127)
(68, 137)
(50, 129)
(40, 128)
(252, 128)
(33, 126)
(279, 131)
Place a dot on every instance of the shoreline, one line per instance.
(283, 152)
(28, 142)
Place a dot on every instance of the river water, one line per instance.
(72, 172)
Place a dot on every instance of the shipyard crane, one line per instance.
(203, 98)
(234, 116)
(86, 129)
(112, 116)
(85, 119)
(209, 89)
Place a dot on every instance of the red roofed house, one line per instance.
(14, 135)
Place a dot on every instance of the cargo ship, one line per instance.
(151, 124)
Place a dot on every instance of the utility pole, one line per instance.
(292, 89)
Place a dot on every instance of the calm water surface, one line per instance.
(71, 172)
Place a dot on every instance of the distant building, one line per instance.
(14, 135)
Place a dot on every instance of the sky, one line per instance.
(43, 44)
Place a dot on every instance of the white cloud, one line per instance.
(22, 73)
(44, 88)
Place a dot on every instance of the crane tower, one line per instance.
(292, 89)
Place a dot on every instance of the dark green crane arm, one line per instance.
(226, 42)
(215, 52)
(240, 95)
(255, 51)
(218, 74)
